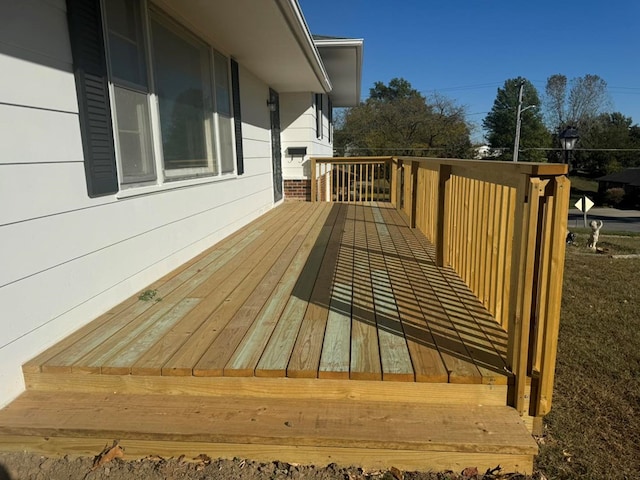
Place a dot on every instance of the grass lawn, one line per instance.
(593, 430)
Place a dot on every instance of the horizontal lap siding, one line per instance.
(67, 258)
(299, 130)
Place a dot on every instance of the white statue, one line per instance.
(595, 234)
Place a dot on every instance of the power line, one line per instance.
(463, 87)
(584, 149)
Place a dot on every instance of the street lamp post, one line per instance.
(568, 138)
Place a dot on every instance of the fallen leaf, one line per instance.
(470, 472)
(398, 475)
(154, 458)
(202, 460)
(108, 454)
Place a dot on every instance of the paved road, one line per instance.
(614, 220)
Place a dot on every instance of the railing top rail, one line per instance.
(530, 168)
(351, 159)
(527, 168)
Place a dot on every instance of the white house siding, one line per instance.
(66, 258)
(298, 121)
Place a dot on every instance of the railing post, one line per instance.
(400, 185)
(523, 267)
(414, 194)
(442, 240)
(393, 181)
(314, 185)
(553, 284)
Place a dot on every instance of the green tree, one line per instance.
(500, 122)
(606, 144)
(396, 119)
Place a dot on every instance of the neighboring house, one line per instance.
(483, 152)
(309, 119)
(628, 180)
(136, 134)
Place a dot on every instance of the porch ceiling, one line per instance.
(271, 39)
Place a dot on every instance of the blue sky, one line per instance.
(466, 49)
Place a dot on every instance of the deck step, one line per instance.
(408, 435)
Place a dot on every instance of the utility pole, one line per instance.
(516, 145)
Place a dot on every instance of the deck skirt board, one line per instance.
(325, 291)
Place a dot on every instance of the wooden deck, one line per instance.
(337, 291)
(318, 333)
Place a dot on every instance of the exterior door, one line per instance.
(276, 150)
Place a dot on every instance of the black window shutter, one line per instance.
(92, 89)
(237, 117)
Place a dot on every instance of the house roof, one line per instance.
(342, 58)
(269, 38)
(630, 176)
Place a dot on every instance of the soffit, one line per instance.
(342, 59)
(270, 38)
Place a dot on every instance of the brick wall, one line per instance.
(297, 190)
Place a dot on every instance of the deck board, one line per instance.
(410, 436)
(223, 296)
(305, 357)
(246, 357)
(265, 280)
(365, 352)
(394, 351)
(330, 291)
(277, 353)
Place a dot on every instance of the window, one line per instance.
(131, 91)
(318, 99)
(183, 84)
(224, 109)
(169, 90)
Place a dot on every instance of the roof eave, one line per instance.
(343, 58)
(270, 39)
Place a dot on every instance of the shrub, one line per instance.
(614, 196)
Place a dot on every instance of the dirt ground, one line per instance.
(19, 466)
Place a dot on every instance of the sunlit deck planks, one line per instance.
(337, 291)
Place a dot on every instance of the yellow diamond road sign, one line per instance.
(587, 204)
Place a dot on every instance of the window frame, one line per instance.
(319, 126)
(116, 82)
(330, 118)
(163, 178)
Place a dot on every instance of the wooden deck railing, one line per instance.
(351, 179)
(502, 227)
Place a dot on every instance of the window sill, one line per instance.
(134, 191)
